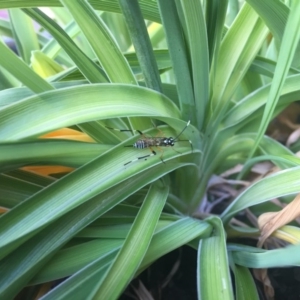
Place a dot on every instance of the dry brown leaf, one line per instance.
(293, 137)
(236, 169)
(271, 221)
(262, 168)
(262, 276)
(142, 292)
(286, 122)
(289, 123)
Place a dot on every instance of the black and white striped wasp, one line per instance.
(150, 142)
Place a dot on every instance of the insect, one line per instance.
(158, 142)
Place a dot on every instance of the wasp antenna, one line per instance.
(187, 124)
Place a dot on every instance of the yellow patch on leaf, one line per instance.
(68, 134)
(47, 170)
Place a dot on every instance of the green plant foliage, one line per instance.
(79, 199)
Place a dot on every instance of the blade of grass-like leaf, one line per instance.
(44, 66)
(30, 177)
(72, 259)
(240, 45)
(135, 246)
(22, 264)
(286, 54)
(24, 34)
(260, 259)
(5, 28)
(253, 104)
(157, 35)
(103, 44)
(241, 143)
(238, 49)
(175, 235)
(13, 191)
(198, 47)
(88, 68)
(12, 95)
(44, 152)
(67, 261)
(119, 30)
(214, 280)
(60, 108)
(179, 57)
(164, 241)
(142, 45)
(119, 229)
(215, 18)
(161, 56)
(287, 161)
(274, 13)
(265, 66)
(52, 48)
(256, 39)
(280, 184)
(244, 284)
(267, 146)
(250, 83)
(233, 10)
(149, 9)
(10, 62)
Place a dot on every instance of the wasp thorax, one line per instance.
(169, 141)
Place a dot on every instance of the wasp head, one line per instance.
(169, 142)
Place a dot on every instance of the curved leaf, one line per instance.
(61, 108)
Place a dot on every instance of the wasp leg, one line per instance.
(189, 142)
(162, 154)
(120, 130)
(141, 157)
(175, 150)
(127, 130)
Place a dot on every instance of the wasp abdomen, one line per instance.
(140, 144)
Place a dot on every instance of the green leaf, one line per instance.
(21, 71)
(169, 238)
(198, 48)
(286, 54)
(13, 191)
(251, 107)
(214, 280)
(257, 258)
(49, 111)
(22, 264)
(179, 57)
(130, 256)
(142, 45)
(43, 65)
(240, 45)
(274, 13)
(283, 183)
(149, 9)
(89, 69)
(24, 34)
(100, 39)
(45, 152)
(244, 283)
